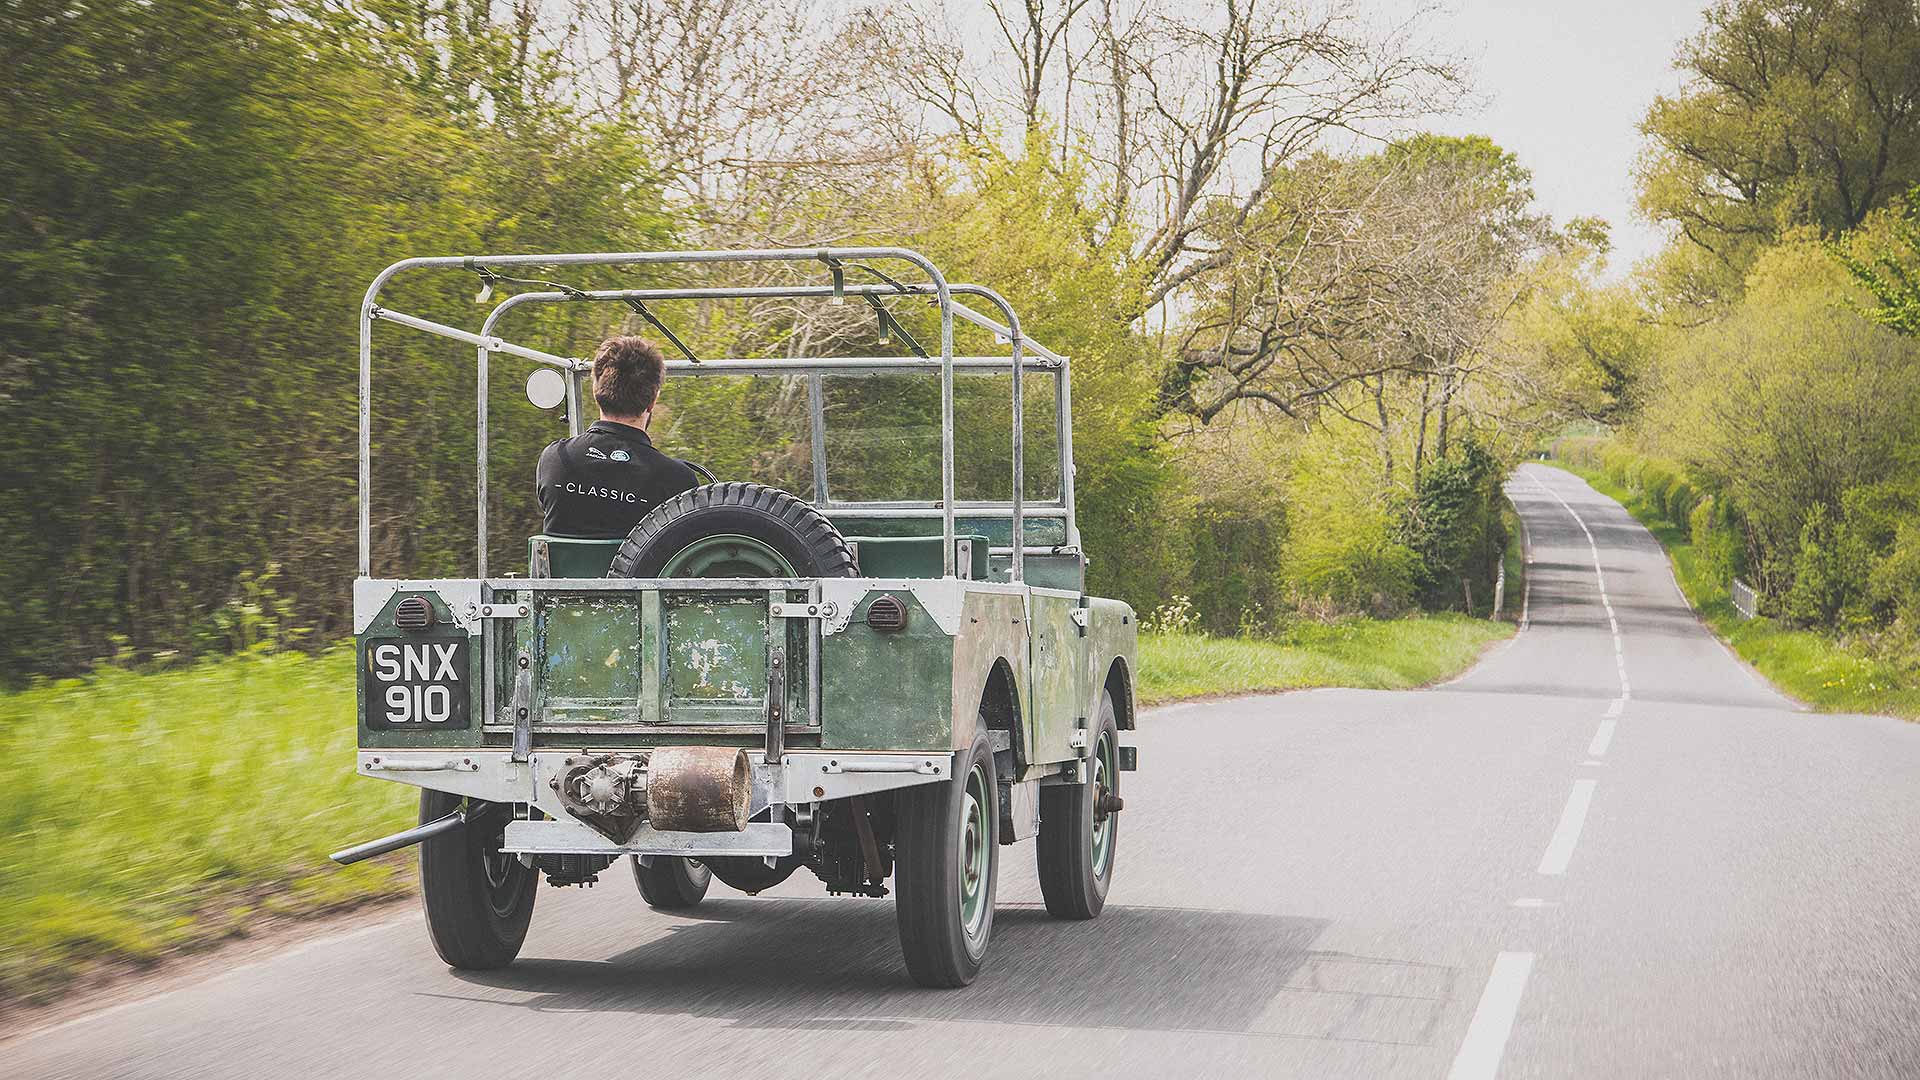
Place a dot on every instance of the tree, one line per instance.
(1790, 402)
(1886, 262)
(1796, 112)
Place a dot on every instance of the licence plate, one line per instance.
(417, 683)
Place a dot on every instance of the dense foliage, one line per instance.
(195, 194)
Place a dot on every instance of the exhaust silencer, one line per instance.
(699, 789)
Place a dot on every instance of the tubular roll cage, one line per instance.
(943, 293)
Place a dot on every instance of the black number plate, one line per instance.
(417, 684)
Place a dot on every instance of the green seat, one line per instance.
(569, 557)
(913, 556)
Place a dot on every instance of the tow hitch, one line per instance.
(455, 820)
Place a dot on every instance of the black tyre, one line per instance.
(1079, 833)
(946, 864)
(750, 873)
(733, 530)
(479, 900)
(671, 882)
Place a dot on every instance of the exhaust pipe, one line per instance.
(431, 829)
(700, 789)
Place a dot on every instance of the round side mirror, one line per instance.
(546, 388)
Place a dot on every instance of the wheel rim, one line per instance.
(727, 555)
(976, 839)
(503, 872)
(1103, 821)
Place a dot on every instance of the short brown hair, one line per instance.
(626, 375)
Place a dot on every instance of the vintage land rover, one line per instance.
(753, 681)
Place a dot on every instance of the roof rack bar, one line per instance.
(851, 365)
(782, 292)
(491, 344)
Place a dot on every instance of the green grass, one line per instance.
(1826, 674)
(153, 813)
(163, 812)
(1366, 653)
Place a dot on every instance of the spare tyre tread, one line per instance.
(820, 545)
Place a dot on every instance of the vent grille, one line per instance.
(414, 613)
(887, 613)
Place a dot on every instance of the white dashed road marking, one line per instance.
(1572, 820)
(1486, 1041)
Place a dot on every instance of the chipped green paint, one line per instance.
(717, 650)
(588, 650)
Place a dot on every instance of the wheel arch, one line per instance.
(1119, 683)
(1000, 705)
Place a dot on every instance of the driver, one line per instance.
(599, 483)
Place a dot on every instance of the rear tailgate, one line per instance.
(594, 656)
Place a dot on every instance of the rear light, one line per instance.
(887, 613)
(413, 613)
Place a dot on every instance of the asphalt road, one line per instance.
(1609, 850)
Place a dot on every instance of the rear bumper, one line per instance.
(802, 777)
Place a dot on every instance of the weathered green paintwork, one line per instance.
(1113, 644)
(655, 666)
(1058, 647)
(888, 691)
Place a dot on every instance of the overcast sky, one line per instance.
(1564, 84)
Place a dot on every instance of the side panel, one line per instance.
(887, 690)
(1059, 661)
(993, 627)
(1113, 635)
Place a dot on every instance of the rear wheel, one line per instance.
(947, 860)
(478, 899)
(1080, 828)
(671, 882)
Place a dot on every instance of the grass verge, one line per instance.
(1366, 653)
(163, 812)
(154, 813)
(1825, 674)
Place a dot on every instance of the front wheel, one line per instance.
(1080, 828)
(947, 858)
(671, 882)
(479, 899)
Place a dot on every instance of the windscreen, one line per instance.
(740, 427)
(883, 437)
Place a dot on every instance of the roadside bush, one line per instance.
(1358, 570)
(1715, 544)
(1894, 582)
(1680, 501)
(1453, 526)
(1831, 574)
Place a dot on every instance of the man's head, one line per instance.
(627, 372)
